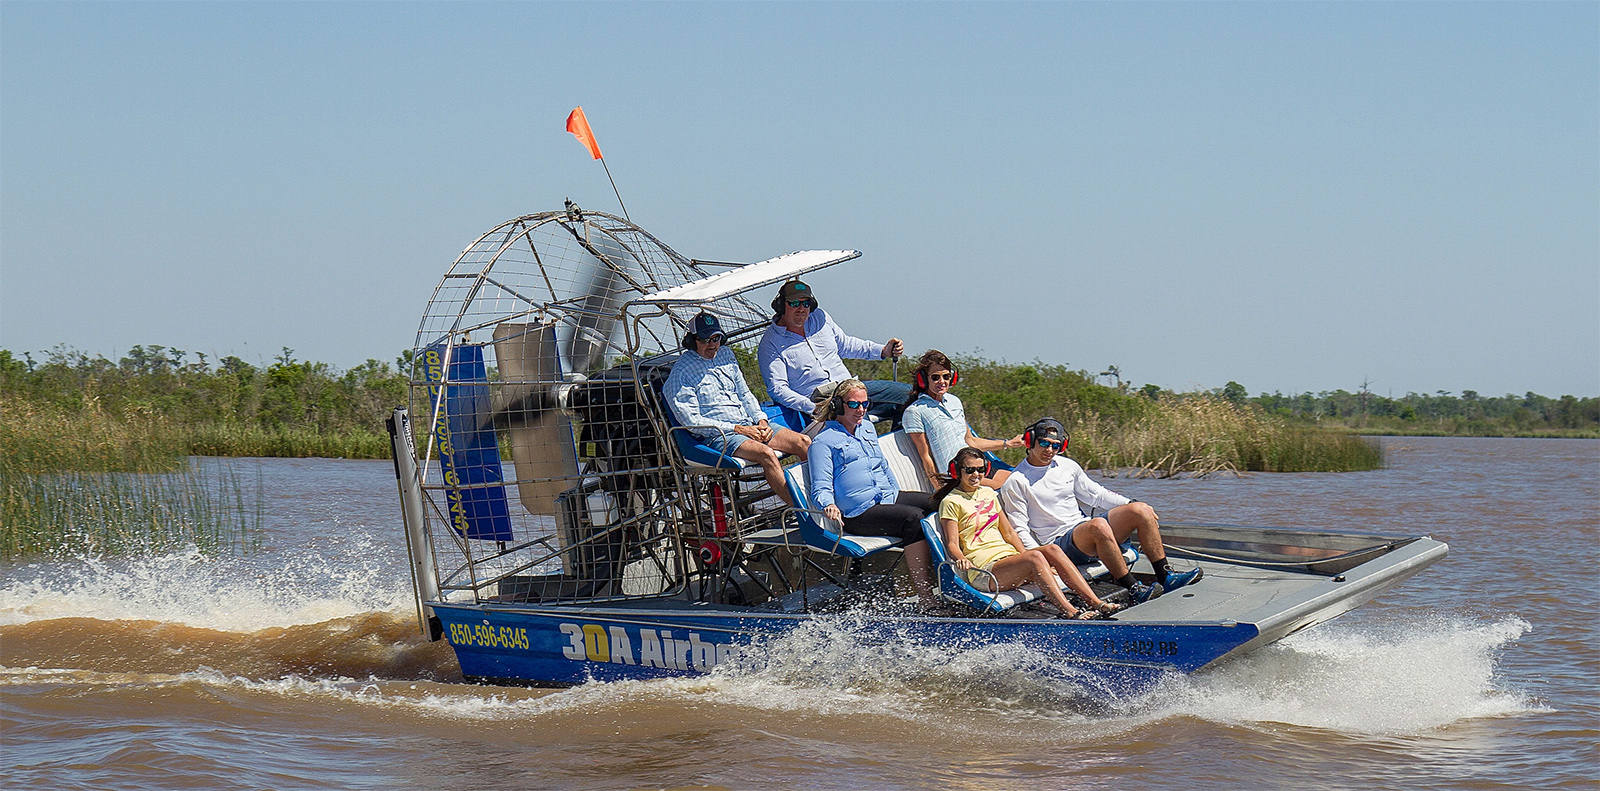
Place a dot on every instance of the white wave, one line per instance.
(1402, 678)
(227, 594)
(1407, 677)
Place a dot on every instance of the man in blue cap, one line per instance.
(802, 352)
(708, 394)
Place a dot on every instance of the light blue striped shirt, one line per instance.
(943, 423)
(708, 395)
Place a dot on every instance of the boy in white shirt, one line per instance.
(1041, 500)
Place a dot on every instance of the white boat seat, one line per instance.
(816, 531)
(901, 453)
(902, 457)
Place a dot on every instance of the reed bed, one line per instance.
(90, 483)
(79, 514)
(37, 437)
(232, 439)
(1202, 435)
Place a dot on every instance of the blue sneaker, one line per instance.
(1176, 580)
(1142, 593)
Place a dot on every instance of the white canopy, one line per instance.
(749, 276)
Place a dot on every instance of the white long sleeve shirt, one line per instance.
(1042, 502)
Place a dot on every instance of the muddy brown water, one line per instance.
(299, 667)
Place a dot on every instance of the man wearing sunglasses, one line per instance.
(1041, 499)
(803, 350)
(709, 396)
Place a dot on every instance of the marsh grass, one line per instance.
(224, 439)
(79, 514)
(89, 483)
(1202, 435)
(37, 437)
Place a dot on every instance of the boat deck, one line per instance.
(1280, 602)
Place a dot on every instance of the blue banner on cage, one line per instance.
(466, 445)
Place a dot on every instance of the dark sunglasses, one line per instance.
(944, 377)
(1050, 444)
(712, 339)
(971, 470)
(857, 404)
(799, 303)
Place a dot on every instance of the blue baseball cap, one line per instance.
(706, 325)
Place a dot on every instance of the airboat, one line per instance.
(563, 527)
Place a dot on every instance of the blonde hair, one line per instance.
(825, 410)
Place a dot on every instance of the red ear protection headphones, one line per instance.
(922, 380)
(955, 474)
(1031, 434)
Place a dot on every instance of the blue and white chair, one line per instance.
(815, 530)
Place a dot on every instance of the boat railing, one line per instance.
(1317, 552)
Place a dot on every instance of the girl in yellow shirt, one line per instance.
(980, 540)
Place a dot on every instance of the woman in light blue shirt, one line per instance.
(852, 483)
(936, 422)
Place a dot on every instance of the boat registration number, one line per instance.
(1140, 647)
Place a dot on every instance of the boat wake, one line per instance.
(372, 645)
(195, 620)
(1402, 677)
(226, 594)
(185, 612)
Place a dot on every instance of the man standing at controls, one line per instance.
(803, 348)
(1041, 499)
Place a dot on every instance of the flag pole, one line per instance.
(614, 189)
(578, 125)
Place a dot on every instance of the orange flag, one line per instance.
(578, 125)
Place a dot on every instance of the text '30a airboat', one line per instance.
(614, 545)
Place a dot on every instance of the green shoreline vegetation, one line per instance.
(97, 450)
(1439, 414)
(183, 404)
(87, 483)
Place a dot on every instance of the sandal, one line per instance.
(1110, 608)
(1079, 615)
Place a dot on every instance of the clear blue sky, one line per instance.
(1294, 196)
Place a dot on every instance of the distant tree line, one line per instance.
(292, 407)
(1467, 414)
